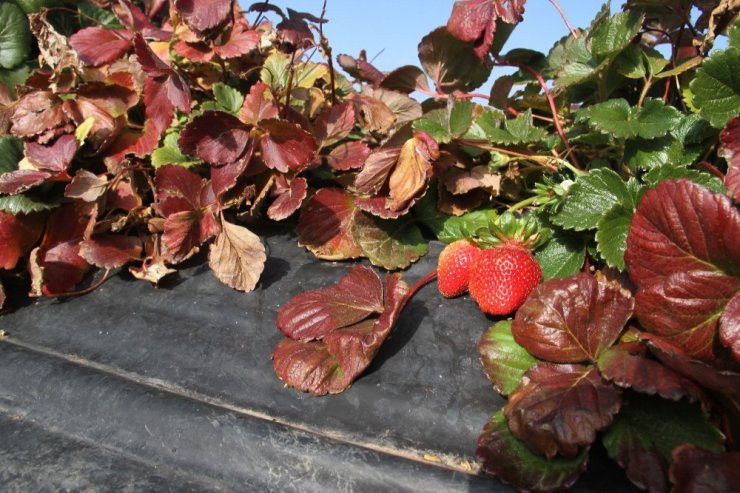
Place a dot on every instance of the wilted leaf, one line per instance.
(683, 253)
(556, 409)
(729, 326)
(334, 123)
(15, 35)
(509, 459)
(373, 114)
(412, 171)
(18, 234)
(237, 257)
(376, 169)
(325, 225)
(572, 319)
(285, 146)
(404, 108)
(646, 431)
(616, 117)
(348, 155)
(451, 63)
(99, 46)
(289, 198)
(216, 137)
(388, 244)
(331, 365)
(111, 251)
(86, 186)
(504, 361)
(694, 469)
(314, 314)
(36, 113)
(645, 375)
(203, 15)
(361, 69)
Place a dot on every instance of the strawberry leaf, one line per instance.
(646, 431)
(185, 231)
(86, 186)
(286, 147)
(645, 375)
(237, 257)
(169, 153)
(111, 251)
(504, 361)
(216, 137)
(36, 113)
(519, 130)
(314, 314)
(615, 33)
(18, 234)
(695, 469)
(228, 98)
(334, 123)
(616, 117)
(325, 225)
(331, 364)
(15, 36)
(729, 326)
(99, 46)
(573, 319)
(388, 244)
(509, 459)
(683, 252)
(289, 198)
(257, 105)
(412, 172)
(203, 15)
(557, 409)
(348, 155)
(562, 256)
(451, 63)
(730, 150)
(56, 157)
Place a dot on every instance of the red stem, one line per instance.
(417, 286)
(551, 101)
(573, 32)
(82, 291)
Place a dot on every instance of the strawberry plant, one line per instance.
(591, 196)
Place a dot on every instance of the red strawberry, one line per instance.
(501, 278)
(453, 267)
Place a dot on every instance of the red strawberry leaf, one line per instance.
(239, 41)
(334, 123)
(20, 180)
(331, 365)
(105, 128)
(289, 197)
(86, 186)
(110, 251)
(683, 253)
(647, 430)
(36, 113)
(203, 15)
(348, 155)
(57, 259)
(179, 189)
(314, 314)
(557, 409)
(504, 361)
(376, 169)
(237, 257)
(504, 456)
(475, 20)
(325, 225)
(694, 469)
(636, 371)
(730, 150)
(572, 319)
(185, 231)
(452, 64)
(99, 46)
(361, 69)
(138, 143)
(225, 177)
(285, 146)
(729, 326)
(55, 158)
(135, 20)
(258, 105)
(216, 137)
(18, 234)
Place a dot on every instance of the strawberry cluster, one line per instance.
(499, 278)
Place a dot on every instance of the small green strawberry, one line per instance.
(453, 267)
(502, 277)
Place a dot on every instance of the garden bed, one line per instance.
(173, 388)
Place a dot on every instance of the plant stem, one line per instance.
(557, 6)
(417, 286)
(523, 203)
(87, 290)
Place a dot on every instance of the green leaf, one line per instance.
(25, 204)
(170, 153)
(590, 197)
(390, 244)
(670, 172)
(105, 18)
(15, 35)
(14, 77)
(228, 98)
(502, 455)
(461, 117)
(611, 235)
(615, 32)
(562, 256)
(630, 63)
(504, 360)
(520, 130)
(648, 429)
(445, 124)
(618, 118)
(466, 226)
(716, 87)
(11, 152)
(275, 70)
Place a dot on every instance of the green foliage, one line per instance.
(15, 35)
(618, 118)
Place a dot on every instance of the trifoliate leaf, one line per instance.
(615, 32)
(445, 124)
(590, 197)
(716, 87)
(618, 118)
(520, 130)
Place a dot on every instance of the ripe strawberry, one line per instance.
(502, 277)
(453, 267)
